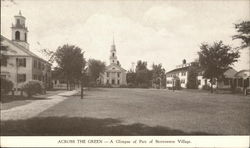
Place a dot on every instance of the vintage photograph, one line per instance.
(125, 67)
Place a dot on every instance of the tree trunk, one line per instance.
(211, 82)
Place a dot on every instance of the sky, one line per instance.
(156, 31)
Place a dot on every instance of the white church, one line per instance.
(114, 74)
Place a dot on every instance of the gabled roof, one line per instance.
(178, 70)
(114, 65)
(24, 49)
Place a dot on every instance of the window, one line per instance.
(39, 77)
(199, 82)
(21, 62)
(118, 74)
(107, 74)
(4, 61)
(107, 81)
(113, 54)
(3, 76)
(113, 81)
(17, 35)
(182, 80)
(21, 77)
(34, 77)
(25, 37)
(18, 22)
(39, 65)
(43, 66)
(118, 82)
(240, 82)
(183, 73)
(205, 81)
(35, 63)
(226, 81)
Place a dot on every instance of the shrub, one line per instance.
(123, 86)
(206, 87)
(33, 87)
(6, 86)
(131, 85)
(143, 85)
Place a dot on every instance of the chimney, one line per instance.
(184, 61)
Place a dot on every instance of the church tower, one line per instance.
(113, 57)
(20, 31)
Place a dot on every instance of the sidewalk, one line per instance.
(34, 108)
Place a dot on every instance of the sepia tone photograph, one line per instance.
(125, 68)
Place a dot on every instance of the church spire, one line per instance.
(113, 39)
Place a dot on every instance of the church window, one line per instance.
(18, 22)
(21, 62)
(25, 37)
(4, 61)
(17, 35)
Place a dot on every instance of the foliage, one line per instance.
(33, 87)
(95, 68)
(216, 59)
(6, 85)
(70, 61)
(192, 77)
(158, 75)
(131, 77)
(142, 74)
(243, 30)
(205, 87)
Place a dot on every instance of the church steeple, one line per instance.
(113, 57)
(20, 31)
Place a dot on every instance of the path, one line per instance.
(34, 108)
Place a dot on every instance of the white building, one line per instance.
(114, 74)
(181, 74)
(22, 65)
(178, 74)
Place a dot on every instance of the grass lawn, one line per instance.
(122, 111)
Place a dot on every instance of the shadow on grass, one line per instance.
(10, 98)
(64, 126)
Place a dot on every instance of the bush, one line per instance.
(131, 85)
(206, 87)
(33, 87)
(123, 86)
(6, 86)
(143, 85)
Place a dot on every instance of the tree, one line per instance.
(192, 77)
(70, 62)
(131, 78)
(158, 75)
(243, 30)
(95, 68)
(3, 50)
(216, 59)
(142, 74)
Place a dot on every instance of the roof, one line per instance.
(24, 49)
(243, 73)
(115, 65)
(178, 70)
